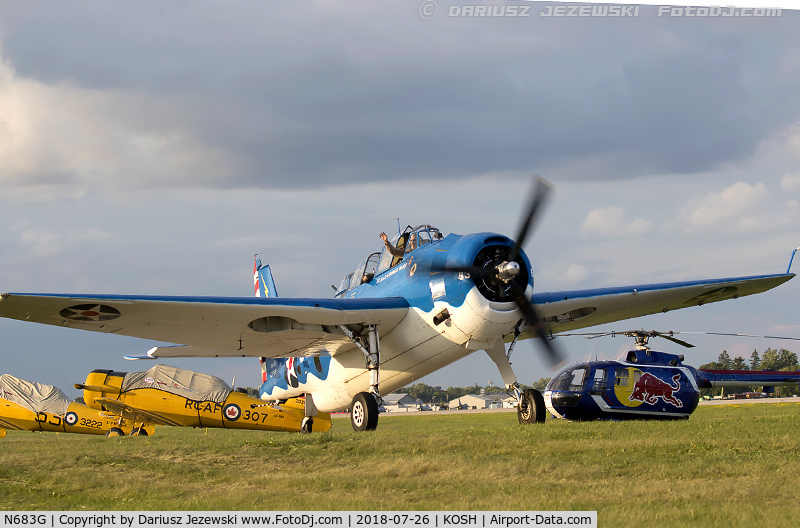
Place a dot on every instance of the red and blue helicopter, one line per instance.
(423, 302)
(646, 384)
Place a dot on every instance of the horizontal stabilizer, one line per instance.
(184, 351)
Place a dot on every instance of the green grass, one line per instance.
(734, 465)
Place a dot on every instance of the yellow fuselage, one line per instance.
(238, 411)
(78, 419)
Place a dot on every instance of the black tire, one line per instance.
(115, 431)
(364, 412)
(531, 408)
(138, 431)
(307, 425)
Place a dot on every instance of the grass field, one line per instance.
(734, 465)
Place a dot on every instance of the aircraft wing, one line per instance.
(213, 326)
(134, 414)
(8, 423)
(569, 310)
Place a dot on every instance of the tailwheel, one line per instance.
(364, 412)
(115, 431)
(531, 407)
(307, 425)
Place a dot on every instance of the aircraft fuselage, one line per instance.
(451, 316)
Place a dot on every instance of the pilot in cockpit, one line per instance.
(395, 251)
(400, 251)
(412, 243)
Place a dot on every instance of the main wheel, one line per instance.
(364, 412)
(114, 431)
(531, 408)
(307, 425)
(138, 431)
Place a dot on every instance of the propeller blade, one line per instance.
(540, 193)
(527, 309)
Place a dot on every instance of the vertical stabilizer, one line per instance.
(264, 286)
(263, 283)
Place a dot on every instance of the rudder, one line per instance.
(263, 283)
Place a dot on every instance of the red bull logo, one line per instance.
(649, 388)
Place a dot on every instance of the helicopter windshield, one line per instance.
(571, 379)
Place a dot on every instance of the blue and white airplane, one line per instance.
(396, 318)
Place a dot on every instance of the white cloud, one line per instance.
(576, 273)
(44, 242)
(785, 328)
(791, 182)
(57, 136)
(740, 208)
(734, 202)
(612, 222)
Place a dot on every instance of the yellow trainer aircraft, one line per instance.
(30, 406)
(167, 395)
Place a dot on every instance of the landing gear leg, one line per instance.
(364, 408)
(311, 411)
(530, 404)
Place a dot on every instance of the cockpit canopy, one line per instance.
(409, 240)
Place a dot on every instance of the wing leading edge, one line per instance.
(213, 326)
(571, 310)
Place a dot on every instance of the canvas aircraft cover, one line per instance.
(187, 383)
(36, 397)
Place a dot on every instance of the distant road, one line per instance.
(750, 400)
(474, 411)
(702, 402)
(463, 411)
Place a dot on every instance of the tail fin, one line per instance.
(263, 284)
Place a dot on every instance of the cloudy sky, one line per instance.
(152, 147)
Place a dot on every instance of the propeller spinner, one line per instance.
(500, 277)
